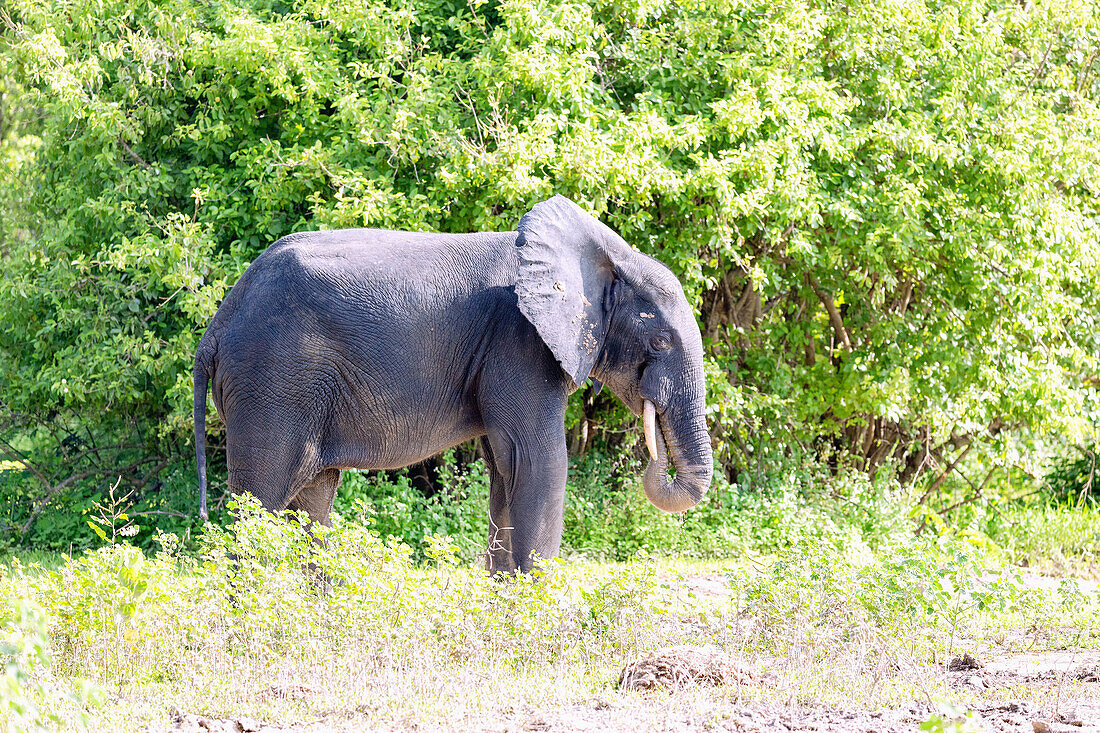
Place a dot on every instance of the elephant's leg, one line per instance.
(271, 453)
(499, 549)
(316, 497)
(527, 485)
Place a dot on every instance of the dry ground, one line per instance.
(1006, 683)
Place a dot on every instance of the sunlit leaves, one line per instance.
(930, 171)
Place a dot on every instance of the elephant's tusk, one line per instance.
(649, 424)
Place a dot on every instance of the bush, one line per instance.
(392, 507)
(1048, 535)
(885, 213)
(607, 516)
(269, 595)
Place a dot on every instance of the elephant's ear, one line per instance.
(565, 275)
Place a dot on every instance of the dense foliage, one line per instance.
(886, 213)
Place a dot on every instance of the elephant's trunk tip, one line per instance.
(693, 476)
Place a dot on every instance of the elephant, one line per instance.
(376, 349)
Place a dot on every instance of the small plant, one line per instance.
(29, 699)
(111, 519)
(24, 656)
(952, 719)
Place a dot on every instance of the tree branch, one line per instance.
(133, 156)
(834, 314)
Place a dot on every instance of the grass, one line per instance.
(269, 624)
(1055, 538)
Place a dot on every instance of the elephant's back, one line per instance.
(317, 302)
(353, 326)
(409, 260)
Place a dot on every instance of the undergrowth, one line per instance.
(357, 626)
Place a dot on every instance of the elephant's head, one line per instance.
(620, 316)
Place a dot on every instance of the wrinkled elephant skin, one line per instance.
(374, 349)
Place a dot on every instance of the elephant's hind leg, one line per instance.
(316, 497)
(272, 449)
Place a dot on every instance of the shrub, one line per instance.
(25, 657)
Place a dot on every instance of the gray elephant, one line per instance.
(376, 349)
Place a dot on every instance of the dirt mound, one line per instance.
(964, 662)
(678, 666)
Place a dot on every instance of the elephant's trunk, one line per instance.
(686, 438)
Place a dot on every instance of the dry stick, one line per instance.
(1086, 71)
(939, 481)
(1087, 489)
(1040, 67)
(18, 456)
(50, 492)
(745, 302)
(834, 314)
(973, 497)
(134, 156)
(901, 303)
(868, 442)
(943, 476)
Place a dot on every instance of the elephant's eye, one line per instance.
(660, 342)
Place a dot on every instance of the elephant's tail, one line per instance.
(202, 379)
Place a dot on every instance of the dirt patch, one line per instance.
(1064, 682)
(1033, 667)
(693, 689)
(655, 716)
(191, 723)
(291, 691)
(1051, 583)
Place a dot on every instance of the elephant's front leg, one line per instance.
(528, 465)
(498, 553)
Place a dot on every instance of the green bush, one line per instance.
(1061, 537)
(269, 592)
(607, 516)
(824, 596)
(63, 521)
(885, 214)
(393, 507)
